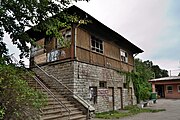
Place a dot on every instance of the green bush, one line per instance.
(17, 99)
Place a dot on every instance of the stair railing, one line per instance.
(52, 95)
(45, 88)
(67, 88)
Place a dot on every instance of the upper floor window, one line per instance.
(66, 36)
(96, 45)
(124, 56)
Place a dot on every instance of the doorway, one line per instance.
(111, 98)
(121, 96)
(160, 91)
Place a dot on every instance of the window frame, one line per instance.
(178, 88)
(169, 91)
(123, 58)
(97, 45)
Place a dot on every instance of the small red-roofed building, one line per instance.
(167, 87)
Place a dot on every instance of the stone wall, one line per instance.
(62, 71)
(80, 77)
(87, 75)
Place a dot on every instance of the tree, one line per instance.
(17, 100)
(18, 15)
(159, 72)
(179, 74)
(145, 70)
(140, 79)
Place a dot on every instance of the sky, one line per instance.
(152, 25)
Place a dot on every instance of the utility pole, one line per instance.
(169, 73)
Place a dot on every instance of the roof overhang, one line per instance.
(95, 27)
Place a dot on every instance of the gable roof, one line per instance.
(99, 29)
(102, 30)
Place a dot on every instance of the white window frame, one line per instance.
(124, 56)
(178, 88)
(98, 45)
(169, 91)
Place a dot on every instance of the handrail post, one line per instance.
(88, 114)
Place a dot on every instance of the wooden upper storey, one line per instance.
(93, 43)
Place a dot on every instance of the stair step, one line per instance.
(78, 117)
(73, 116)
(53, 107)
(57, 103)
(59, 111)
(60, 98)
(53, 110)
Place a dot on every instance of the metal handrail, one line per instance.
(52, 94)
(63, 86)
(45, 88)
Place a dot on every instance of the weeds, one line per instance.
(128, 111)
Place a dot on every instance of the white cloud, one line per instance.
(13, 49)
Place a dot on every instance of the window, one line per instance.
(169, 88)
(102, 84)
(124, 56)
(66, 36)
(178, 88)
(96, 45)
(125, 85)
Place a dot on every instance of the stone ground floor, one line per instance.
(172, 111)
(104, 88)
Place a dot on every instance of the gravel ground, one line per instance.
(172, 111)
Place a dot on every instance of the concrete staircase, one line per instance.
(55, 111)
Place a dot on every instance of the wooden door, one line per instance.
(111, 98)
(121, 97)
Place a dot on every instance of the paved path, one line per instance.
(172, 111)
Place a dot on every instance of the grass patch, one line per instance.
(112, 114)
(134, 109)
(129, 111)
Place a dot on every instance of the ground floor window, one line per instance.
(178, 88)
(103, 84)
(169, 88)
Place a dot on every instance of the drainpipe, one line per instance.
(134, 61)
(75, 39)
(169, 73)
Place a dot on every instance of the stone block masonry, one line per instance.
(101, 87)
(108, 97)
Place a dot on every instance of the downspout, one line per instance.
(134, 61)
(75, 39)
